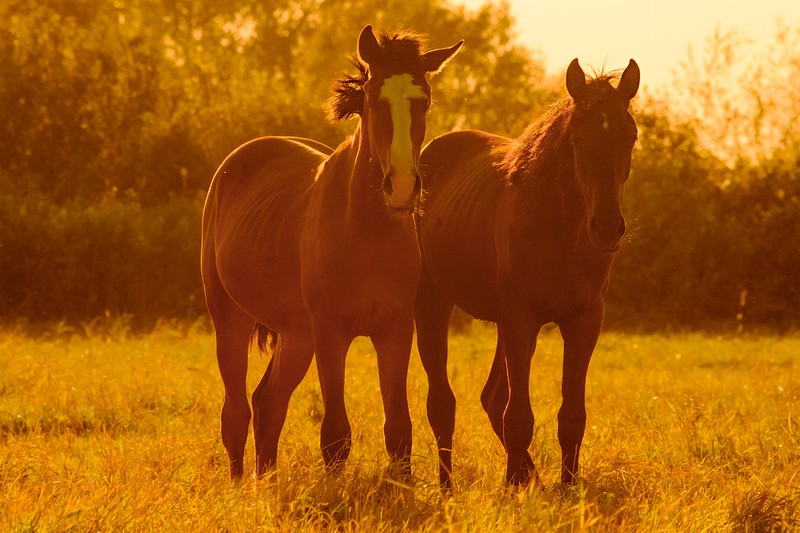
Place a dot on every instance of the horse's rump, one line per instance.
(253, 218)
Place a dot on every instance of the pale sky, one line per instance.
(657, 34)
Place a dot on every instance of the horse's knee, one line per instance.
(571, 426)
(441, 407)
(397, 434)
(494, 403)
(517, 430)
(335, 440)
(235, 418)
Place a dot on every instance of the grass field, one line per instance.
(117, 432)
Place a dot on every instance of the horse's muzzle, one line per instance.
(606, 237)
(400, 199)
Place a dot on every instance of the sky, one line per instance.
(657, 34)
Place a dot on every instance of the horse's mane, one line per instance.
(538, 147)
(400, 48)
(348, 93)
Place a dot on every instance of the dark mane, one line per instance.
(348, 93)
(539, 146)
(401, 48)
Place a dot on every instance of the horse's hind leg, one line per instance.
(394, 349)
(580, 337)
(233, 328)
(433, 314)
(288, 366)
(494, 396)
(518, 343)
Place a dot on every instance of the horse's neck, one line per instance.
(365, 202)
(552, 195)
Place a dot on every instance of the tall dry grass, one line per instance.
(119, 432)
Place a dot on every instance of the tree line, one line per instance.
(116, 115)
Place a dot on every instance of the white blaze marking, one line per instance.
(606, 125)
(398, 91)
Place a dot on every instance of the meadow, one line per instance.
(106, 430)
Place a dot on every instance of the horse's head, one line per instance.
(397, 96)
(602, 133)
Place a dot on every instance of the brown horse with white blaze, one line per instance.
(522, 232)
(312, 247)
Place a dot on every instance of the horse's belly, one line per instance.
(465, 276)
(459, 256)
(257, 257)
(252, 222)
(265, 286)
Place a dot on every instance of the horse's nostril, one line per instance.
(387, 184)
(621, 227)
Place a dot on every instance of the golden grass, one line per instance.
(685, 433)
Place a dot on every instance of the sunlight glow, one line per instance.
(657, 34)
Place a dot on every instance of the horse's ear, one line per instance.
(576, 80)
(434, 60)
(368, 48)
(629, 82)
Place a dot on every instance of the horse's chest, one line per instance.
(363, 281)
(559, 285)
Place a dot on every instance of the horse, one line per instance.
(522, 232)
(305, 248)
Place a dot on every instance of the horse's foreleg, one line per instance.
(580, 337)
(286, 370)
(394, 349)
(518, 343)
(432, 315)
(494, 396)
(331, 346)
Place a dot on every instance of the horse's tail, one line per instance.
(265, 338)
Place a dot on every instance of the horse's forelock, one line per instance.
(401, 50)
(598, 89)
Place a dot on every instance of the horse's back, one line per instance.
(311, 143)
(463, 190)
(252, 220)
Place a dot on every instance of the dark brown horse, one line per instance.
(522, 232)
(314, 248)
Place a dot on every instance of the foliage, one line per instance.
(116, 432)
(117, 115)
(111, 257)
(147, 97)
(699, 252)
